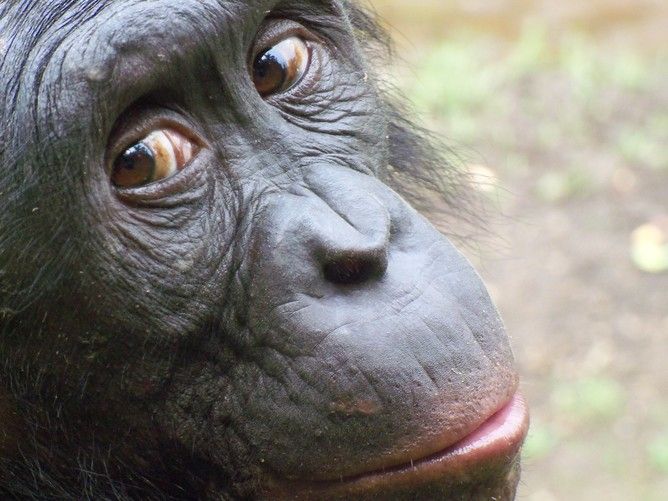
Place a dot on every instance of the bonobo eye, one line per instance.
(158, 156)
(281, 67)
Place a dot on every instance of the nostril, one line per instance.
(354, 269)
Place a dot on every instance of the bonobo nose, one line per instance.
(351, 233)
(350, 241)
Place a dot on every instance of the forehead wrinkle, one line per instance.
(140, 31)
(93, 47)
(24, 27)
(51, 84)
(33, 33)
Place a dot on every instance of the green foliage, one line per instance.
(590, 400)
(454, 78)
(557, 186)
(646, 146)
(657, 451)
(465, 85)
(531, 52)
(540, 442)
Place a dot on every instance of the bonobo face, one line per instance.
(217, 291)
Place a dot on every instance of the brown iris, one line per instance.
(281, 67)
(158, 156)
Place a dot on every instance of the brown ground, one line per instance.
(563, 108)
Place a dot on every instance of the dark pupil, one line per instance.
(134, 167)
(270, 72)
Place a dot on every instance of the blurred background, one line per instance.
(560, 111)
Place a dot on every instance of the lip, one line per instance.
(499, 436)
(494, 445)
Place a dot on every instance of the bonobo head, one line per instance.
(208, 288)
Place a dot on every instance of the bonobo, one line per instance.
(208, 288)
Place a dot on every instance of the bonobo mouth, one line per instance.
(499, 436)
(491, 448)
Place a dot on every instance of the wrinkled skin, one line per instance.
(273, 314)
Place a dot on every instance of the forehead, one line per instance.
(37, 32)
(42, 21)
(52, 9)
(45, 13)
(65, 51)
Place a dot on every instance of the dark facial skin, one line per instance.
(272, 321)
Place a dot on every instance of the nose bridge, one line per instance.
(355, 216)
(351, 234)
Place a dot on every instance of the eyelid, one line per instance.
(277, 30)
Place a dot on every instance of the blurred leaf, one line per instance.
(557, 186)
(540, 441)
(637, 146)
(578, 57)
(630, 70)
(657, 451)
(456, 76)
(595, 399)
(531, 52)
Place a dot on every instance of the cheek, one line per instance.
(158, 265)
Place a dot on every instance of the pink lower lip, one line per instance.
(501, 436)
(504, 430)
(495, 443)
